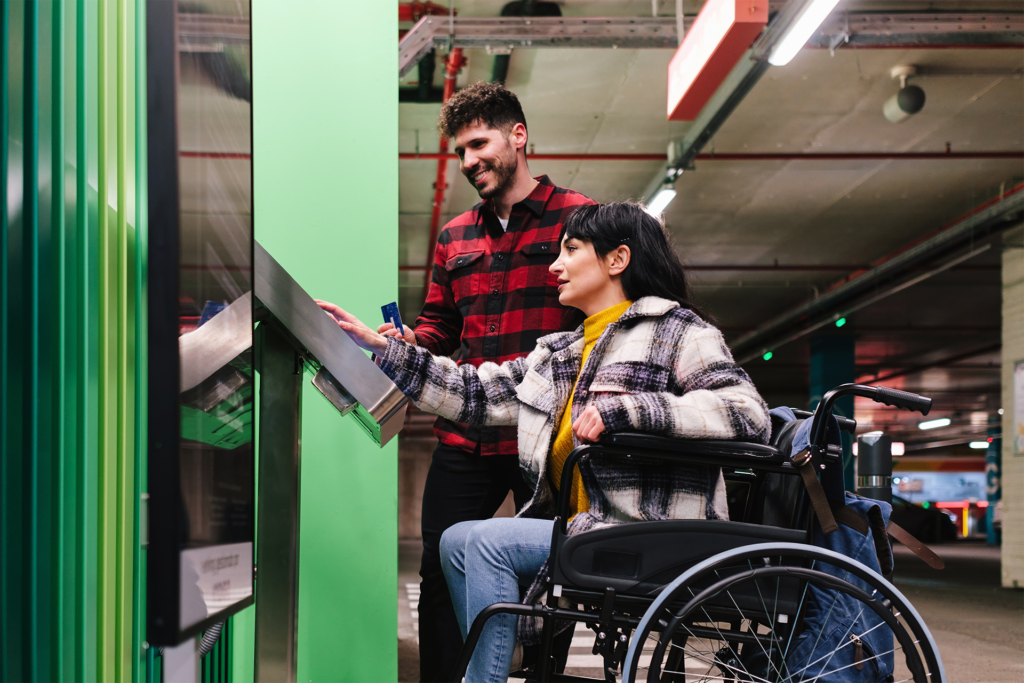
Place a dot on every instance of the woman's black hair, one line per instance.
(654, 268)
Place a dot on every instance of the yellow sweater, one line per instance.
(593, 328)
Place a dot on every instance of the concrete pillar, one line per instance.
(832, 364)
(1013, 410)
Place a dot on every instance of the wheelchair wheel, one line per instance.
(781, 613)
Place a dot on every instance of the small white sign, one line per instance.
(212, 579)
(1018, 408)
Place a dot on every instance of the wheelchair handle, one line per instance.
(884, 395)
(903, 399)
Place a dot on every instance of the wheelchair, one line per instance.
(713, 600)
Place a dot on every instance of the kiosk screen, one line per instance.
(202, 469)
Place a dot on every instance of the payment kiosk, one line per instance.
(223, 318)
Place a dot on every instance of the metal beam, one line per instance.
(507, 33)
(887, 277)
(851, 29)
(919, 30)
(937, 364)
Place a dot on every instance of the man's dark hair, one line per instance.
(491, 104)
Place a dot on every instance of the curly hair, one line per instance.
(491, 104)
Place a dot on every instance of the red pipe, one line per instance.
(743, 268)
(825, 156)
(412, 11)
(812, 156)
(215, 155)
(452, 64)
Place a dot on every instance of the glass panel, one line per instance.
(215, 306)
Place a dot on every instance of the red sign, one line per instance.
(722, 32)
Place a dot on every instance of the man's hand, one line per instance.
(589, 426)
(388, 330)
(362, 335)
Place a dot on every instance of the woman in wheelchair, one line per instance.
(644, 360)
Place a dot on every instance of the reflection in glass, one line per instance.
(215, 305)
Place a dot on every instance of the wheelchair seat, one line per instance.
(642, 557)
(637, 560)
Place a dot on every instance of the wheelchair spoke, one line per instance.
(774, 614)
(756, 639)
(846, 643)
(866, 659)
(722, 665)
(799, 611)
(835, 598)
(711, 651)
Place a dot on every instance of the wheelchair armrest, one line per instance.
(732, 454)
(738, 454)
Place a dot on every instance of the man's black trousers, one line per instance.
(461, 486)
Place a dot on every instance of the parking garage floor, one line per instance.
(977, 624)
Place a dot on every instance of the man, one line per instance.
(491, 296)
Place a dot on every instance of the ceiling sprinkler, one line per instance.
(908, 101)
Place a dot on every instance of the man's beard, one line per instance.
(503, 169)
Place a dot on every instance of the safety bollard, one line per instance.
(874, 467)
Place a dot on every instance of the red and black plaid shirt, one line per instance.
(491, 293)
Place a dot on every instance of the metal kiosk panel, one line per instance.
(209, 282)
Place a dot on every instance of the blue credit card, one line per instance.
(391, 315)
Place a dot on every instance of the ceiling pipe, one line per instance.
(452, 64)
(886, 278)
(742, 268)
(936, 364)
(768, 156)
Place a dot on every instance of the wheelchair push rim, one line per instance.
(664, 616)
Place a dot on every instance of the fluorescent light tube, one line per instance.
(935, 424)
(979, 444)
(661, 199)
(800, 31)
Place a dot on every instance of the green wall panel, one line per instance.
(69, 375)
(325, 124)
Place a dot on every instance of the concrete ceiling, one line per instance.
(789, 212)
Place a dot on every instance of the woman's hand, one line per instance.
(388, 330)
(362, 335)
(589, 426)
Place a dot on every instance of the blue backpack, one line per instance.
(861, 534)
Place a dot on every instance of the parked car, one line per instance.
(928, 525)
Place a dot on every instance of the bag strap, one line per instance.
(852, 519)
(819, 501)
(916, 546)
(828, 514)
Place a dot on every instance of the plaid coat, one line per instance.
(659, 369)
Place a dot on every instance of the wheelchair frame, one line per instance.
(614, 614)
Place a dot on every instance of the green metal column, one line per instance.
(832, 364)
(326, 206)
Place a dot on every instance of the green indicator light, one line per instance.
(840, 322)
(926, 505)
(768, 355)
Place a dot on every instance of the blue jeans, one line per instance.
(484, 562)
